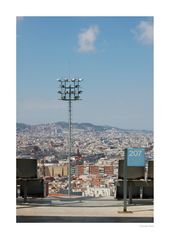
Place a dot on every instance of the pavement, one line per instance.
(81, 209)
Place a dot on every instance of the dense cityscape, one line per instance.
(100, 167)
(96, 151)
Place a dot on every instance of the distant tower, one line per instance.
(78, 152)
(70, 91)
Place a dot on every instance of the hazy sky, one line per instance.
(114, 56)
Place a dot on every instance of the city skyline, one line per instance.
(114, 56)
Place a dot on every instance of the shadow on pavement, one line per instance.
(31, 205)
(84, 203)
(63, 219)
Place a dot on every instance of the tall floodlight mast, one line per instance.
(69, 91)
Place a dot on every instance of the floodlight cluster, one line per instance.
(70, 89)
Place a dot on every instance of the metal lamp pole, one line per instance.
(70, 91)
(70, 144)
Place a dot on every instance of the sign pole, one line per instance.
(130, 192)
(125, 183)
(133, 157)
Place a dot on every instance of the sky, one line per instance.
(113, 56)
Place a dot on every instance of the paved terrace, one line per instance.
(81, 209)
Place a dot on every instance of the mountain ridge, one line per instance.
(84, 125)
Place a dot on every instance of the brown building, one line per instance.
(95, 181)
(93, 169)
(79, 170)
(109, 170)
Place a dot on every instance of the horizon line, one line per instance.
(106, 125)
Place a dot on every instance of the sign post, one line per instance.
(125, 183)
(133, 157)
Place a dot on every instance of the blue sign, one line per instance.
(135, 157)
